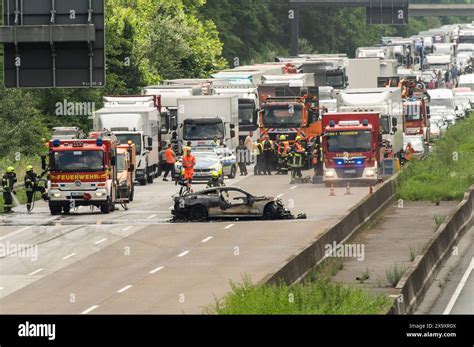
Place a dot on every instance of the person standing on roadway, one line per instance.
(296, 160)
(259, 155)
(282, 156)
(8, 184)
(31, 186)
(250, 146)
(189, 162)
(267, 156)
(243, 157)
(170, 158)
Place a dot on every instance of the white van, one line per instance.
(466, 81)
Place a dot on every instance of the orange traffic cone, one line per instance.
(332, 192)
(348, 189)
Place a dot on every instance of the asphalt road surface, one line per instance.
(135, 261)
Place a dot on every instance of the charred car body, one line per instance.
(228, 203)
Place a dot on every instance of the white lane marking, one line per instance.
(69, 256)
(183, 254)
(15, 232)
(229, 226)
(154, 271)
(279, 196)
(124, 289)
(294, 187)
(207, 239)
(90, 309)
(100, 241)
(152, 216)
(127, 228)
(35, 272)
(459, 288)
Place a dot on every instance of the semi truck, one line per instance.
(136, 119)
(82, 173)
(291, 116)
(387, 102)
(202, 118)
(351, 148)
(249, 104)
(329, 72)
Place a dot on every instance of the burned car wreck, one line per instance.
(228, 203)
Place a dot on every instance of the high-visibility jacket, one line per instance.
(295, 160)
(283, 149)
(409, 153)
(189, 162)
(8, 182)
(30, 181)
(259, 148)
(170, 157)
(298, 148)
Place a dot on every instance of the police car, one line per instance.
(208, 160)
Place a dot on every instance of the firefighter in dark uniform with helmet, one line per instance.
(31, 186)
(8, 183)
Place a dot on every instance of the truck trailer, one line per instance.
(135, 119)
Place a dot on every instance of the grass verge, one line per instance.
(447, 173)
(321, 297)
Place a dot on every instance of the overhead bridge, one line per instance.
(394, 12)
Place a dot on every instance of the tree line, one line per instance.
(149, 41)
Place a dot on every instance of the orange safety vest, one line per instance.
(170, 158)
(409, 153)
(189, 162)
(299, 148)
(283, 149)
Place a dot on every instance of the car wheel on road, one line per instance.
(270, 212)
(67, 209)
(233, 172)
(198, 213)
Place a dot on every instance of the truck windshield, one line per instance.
(121, 162)
(203, 130)
(246, 115)
(335, 81)
(449, 103)
(72, 161)
(135, 138)
(412, 113)
(283, 117)
(349, 141)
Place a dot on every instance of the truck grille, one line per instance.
(350, 172)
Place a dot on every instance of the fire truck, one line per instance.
(291, 116)
(82, 173)
(352, 146)
(415, 112)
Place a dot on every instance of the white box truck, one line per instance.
(385, 101)
(202, 118)
(249, 104)
(363, 73)
(134, 119)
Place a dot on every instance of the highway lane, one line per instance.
(155, 267)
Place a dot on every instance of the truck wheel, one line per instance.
(67, 209)
(150, 178)
(55, 209)
(105, 207)
(233, 172)
(143, 182)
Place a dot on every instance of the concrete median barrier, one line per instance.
(298, 265)
(420, 275)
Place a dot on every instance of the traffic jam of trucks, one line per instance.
(342, 120)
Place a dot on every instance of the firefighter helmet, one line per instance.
(282, 138)
(298, 138)
(10, 169)
(215, 174)
(29, 168)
